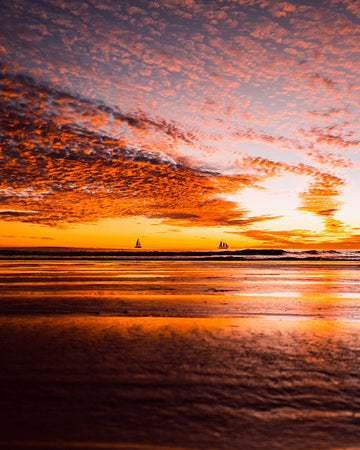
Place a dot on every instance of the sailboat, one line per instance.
(223, 245)
(138, 244)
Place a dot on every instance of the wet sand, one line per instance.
(204, 355)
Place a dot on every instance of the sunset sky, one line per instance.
(181, 122)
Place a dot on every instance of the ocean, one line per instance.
(180, 351)
(217, 255)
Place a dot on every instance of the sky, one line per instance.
(180, 122)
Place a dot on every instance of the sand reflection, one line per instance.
(229, 382)
(223, 361)
(182, 288)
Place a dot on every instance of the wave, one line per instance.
(49, 253)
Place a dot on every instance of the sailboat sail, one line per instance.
(223, 245)
(138, 244)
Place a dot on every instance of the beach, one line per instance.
(180, 354)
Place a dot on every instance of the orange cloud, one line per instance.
(321, 197)
(55, 172)
(297, 238)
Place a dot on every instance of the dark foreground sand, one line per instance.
(179, 383)
(84, 376)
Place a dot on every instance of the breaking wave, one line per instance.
(241, 254)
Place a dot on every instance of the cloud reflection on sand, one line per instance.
(96, 351)
(182, 288)
(230, 382)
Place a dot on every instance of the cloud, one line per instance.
(324, 189)
(69, 173)
(340, 237)
(54, 156)
(45, 238)
(331, 159)
(311, 150)
(293, 238)
(321, 197)
(332, 136)
(16, 213)
(164, 108)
